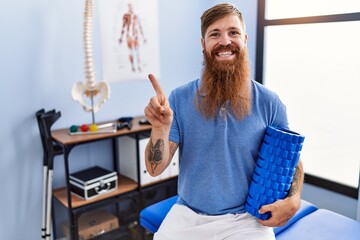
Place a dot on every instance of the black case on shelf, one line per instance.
(93, 182)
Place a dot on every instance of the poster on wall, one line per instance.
(129, 37)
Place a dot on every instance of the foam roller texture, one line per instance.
(275, 168)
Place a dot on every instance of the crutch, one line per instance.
(45, 121)
(45, 171)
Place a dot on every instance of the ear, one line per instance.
(203, 44)
(246, 38)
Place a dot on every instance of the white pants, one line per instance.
(181, 223)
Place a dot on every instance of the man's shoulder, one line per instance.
(189, 87)
(262, 91)
(184, 94)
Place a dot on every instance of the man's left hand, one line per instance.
(281, 211)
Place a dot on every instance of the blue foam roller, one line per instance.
(275, 167)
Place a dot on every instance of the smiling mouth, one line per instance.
(225, 54)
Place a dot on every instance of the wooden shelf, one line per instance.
(62, 136)
(124, 185)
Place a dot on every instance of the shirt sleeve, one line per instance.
(174, 131)
(280, 118)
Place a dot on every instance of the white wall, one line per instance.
(41, 58)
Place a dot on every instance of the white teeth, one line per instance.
(224, 53)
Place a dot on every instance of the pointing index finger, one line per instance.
(156, 85)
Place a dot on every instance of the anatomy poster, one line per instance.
(129, 36)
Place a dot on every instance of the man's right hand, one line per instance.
(158, 111)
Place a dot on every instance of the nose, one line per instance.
(224, 40)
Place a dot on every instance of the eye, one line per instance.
(234, 33)
(214, 35)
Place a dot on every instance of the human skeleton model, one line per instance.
(132, 27)
(91, 88)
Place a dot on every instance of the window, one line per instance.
(278, 9)
(311, 59)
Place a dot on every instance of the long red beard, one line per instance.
(225, 82)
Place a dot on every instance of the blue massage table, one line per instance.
(309, 222)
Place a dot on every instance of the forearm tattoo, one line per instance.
(295, 186)
(156, 153)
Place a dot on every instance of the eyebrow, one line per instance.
(234, 28)
(228, 29)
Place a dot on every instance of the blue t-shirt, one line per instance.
(218, 156)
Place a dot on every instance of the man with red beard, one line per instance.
(217, 122)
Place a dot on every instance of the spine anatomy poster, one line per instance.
(129, 36)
